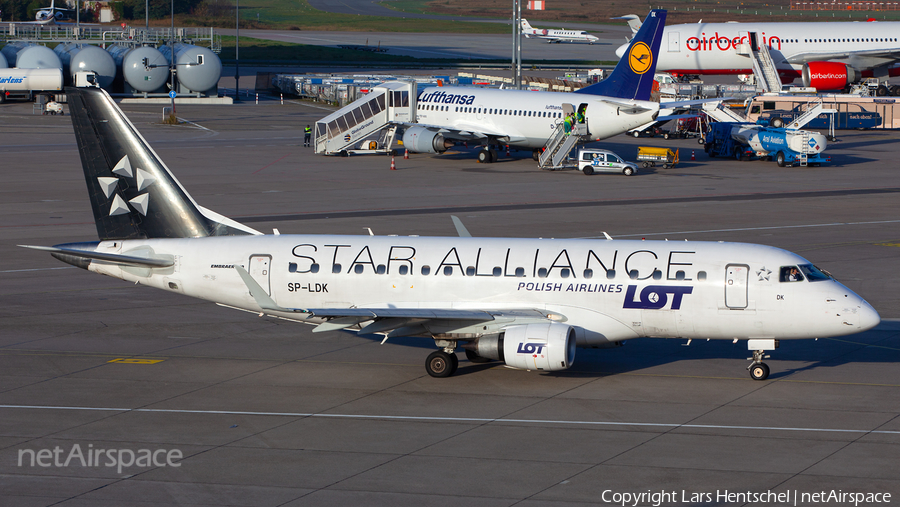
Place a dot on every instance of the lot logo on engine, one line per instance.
(530, 348)
(655, 297)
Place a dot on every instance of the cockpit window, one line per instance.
(814, 274)
(791, 274)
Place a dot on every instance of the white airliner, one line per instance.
(551, 35)
(527, 303)
(827, 55)
(526, 119)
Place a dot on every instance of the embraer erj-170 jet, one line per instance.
(827, 56)
(527, 303)
(526, 119)
(552, 36)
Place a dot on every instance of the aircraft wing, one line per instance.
(462, 132)
(815, 56)
(400, 321)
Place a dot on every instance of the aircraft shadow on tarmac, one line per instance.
(879, 345)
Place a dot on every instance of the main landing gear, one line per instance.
(758, 369)
(441, 364)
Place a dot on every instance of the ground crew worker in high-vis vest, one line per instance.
(307, 133)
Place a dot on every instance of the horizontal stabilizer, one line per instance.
(126, 260)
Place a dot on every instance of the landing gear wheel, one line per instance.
(454, 363)
(475, 358)
(484, 157)
(636, 134)
(441, 364)
(588, 170)
(494, 156)
(779, 159)
(536, 155)
(759, 371)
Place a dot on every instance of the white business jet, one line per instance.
(551, 35)
(527, 303)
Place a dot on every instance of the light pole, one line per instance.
(172, 59)
(237, 47)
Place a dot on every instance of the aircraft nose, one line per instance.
(867, 317)
(621, 50)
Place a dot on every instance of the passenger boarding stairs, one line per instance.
(560, 145)
(810, 115)
(762, 63)
(369, 123)
(718, 112)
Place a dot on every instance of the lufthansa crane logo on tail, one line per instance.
(640, 57)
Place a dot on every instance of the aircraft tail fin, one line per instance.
(634, 22)
(633, 77)
(133, 194)
(526, 25)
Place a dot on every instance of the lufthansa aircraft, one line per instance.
(527, 119)
(552, 36)
(527, 303)
(827, 56)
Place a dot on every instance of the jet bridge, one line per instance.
(367, 124)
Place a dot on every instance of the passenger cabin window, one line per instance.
(791, 274)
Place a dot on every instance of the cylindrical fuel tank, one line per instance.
(92, 58)
(10, 49)
(198, 68)
(37, 57)
(3, 64)
(141, 77)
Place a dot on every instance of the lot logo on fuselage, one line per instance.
(655, 297)
(640, 57)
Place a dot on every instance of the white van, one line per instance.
(590, 161)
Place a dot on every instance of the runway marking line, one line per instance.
(477, 420)
(135, 360)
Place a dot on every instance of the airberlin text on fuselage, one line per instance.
(469, 261)
(723, 43)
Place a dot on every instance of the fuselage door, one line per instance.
(260, 267)
(736, 285)
(674, 42)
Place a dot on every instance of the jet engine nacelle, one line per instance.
(422, 140)
(544, 347)
(828, 75)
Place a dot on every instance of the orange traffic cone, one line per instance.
(406, 154)
(693, 157)
(393, 165)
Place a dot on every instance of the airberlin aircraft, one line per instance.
(527, 303)
(827, 56)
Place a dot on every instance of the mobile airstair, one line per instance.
(367, 125)
(719, 112)
(561, 142)
(762, 63)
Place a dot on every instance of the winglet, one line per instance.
(259, 294)
(460, 228)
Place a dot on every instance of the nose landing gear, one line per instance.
(758, 369)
